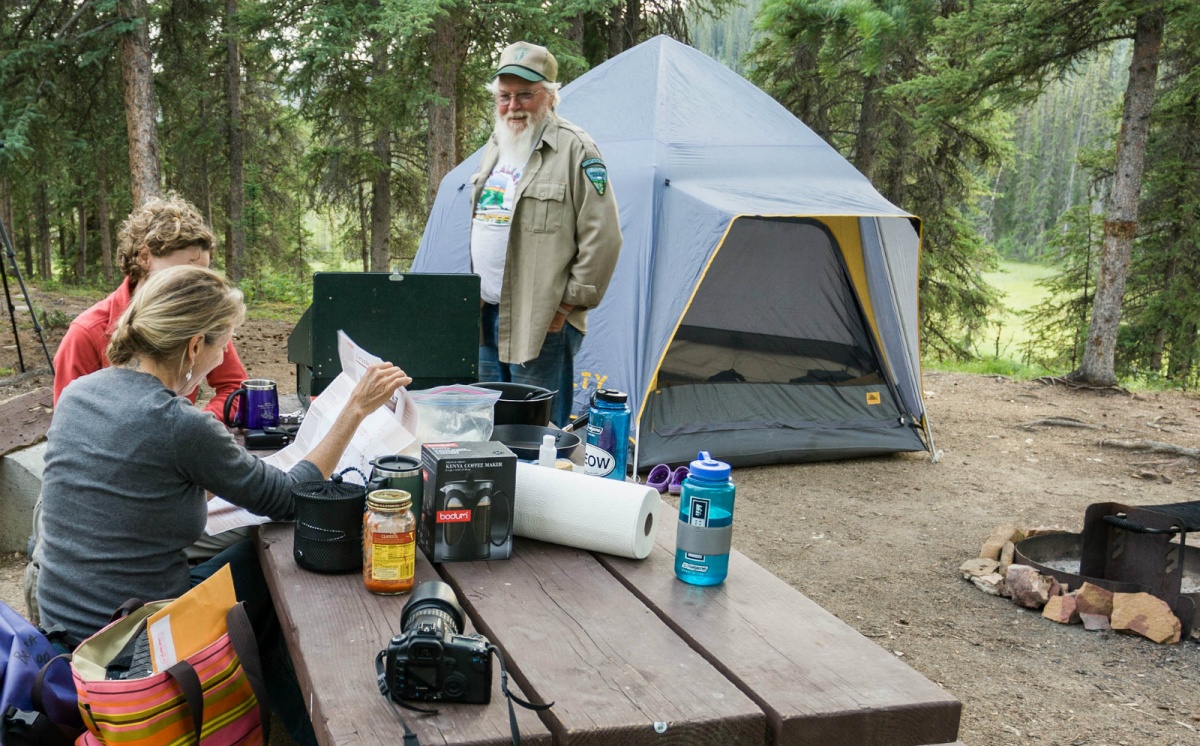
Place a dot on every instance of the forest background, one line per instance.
(314, 135)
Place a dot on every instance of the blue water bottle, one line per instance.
(705, 528)
(607, 435)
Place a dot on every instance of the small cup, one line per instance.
(258, 407)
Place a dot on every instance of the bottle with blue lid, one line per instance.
(607, 450)
(705, 531)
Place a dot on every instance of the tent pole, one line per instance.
(934, 453)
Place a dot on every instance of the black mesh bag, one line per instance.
(329, 518)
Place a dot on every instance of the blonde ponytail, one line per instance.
(172, 306)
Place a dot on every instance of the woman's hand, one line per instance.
(371, 392)
(376, 387)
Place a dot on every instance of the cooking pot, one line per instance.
(520, 403)
(525, 440)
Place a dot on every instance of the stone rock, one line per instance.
(1027, 587)
(1061, 609)
(1094, 622)
(991, 584)
(1040, 530)
(1006, 556)
(995, 543)
(1147, 615)
(1057, 588)
(1092, 599)
(973, 568)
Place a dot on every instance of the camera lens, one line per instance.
(434, 603)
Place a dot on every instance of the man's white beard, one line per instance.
(515, 147)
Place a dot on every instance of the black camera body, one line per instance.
(432, 661)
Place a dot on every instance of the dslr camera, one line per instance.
(431, 660)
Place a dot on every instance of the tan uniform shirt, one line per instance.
(563, 243)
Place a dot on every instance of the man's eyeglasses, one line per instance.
(523, 98)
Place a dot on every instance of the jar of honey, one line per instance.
(389, 542)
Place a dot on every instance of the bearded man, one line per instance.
(545, 234)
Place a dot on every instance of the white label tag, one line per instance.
(162, 644)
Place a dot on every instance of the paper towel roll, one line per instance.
(586, 512)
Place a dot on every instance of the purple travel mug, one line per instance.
(258, 405)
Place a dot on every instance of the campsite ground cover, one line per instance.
(878, 541)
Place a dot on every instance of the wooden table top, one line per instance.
(627, 653)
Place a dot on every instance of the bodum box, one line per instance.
(467, 510)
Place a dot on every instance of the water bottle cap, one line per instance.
(548, 440)
(706, 467)
(612, 396)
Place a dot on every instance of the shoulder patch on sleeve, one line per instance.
(597, 173)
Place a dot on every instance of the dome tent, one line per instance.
(764, 307)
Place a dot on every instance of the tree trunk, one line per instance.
(106, 257)
(6, 216)
(205, 195)
(64, 230)
(27, 247)
(364, 230)
(381, 202)
(237, 196)
(1120, 222)
(141, 108)
(381, 176)
(43, 232)
(300, 273)
(445, 59)
(81, 248)
(1183, 355)
(866, 140)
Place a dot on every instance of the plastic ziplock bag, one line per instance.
(454, 412)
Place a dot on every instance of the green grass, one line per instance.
(1000, 352)
(1015, 281)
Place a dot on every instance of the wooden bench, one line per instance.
(627, 653)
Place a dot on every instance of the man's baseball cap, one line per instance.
(528, 61)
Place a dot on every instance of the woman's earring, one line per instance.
(188, 376)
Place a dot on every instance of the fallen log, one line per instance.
(1075, 384)
(1152, 446)
(1059, 422)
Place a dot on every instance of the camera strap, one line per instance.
(512, 715)
(410, 738)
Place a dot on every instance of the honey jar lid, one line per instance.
(389, 501)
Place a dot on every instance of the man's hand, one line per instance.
(560, 318)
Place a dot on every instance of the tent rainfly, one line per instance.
(764, 307)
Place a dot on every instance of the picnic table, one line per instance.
(627, 653)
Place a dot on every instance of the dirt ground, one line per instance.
(878, 542)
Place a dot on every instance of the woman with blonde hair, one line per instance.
(129, 460)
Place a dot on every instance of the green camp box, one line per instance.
(427, 324)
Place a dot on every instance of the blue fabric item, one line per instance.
(24, 650)
(553, 368)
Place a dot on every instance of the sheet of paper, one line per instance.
(191, 622)
(386, 431)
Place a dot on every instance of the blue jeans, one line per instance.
(553, 368)
(249, 585)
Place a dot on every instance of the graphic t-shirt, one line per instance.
(489, 228)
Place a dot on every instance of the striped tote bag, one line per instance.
(215, 696)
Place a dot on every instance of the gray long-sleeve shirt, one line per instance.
(127, 466)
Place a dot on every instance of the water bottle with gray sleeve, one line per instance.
(705, 529)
